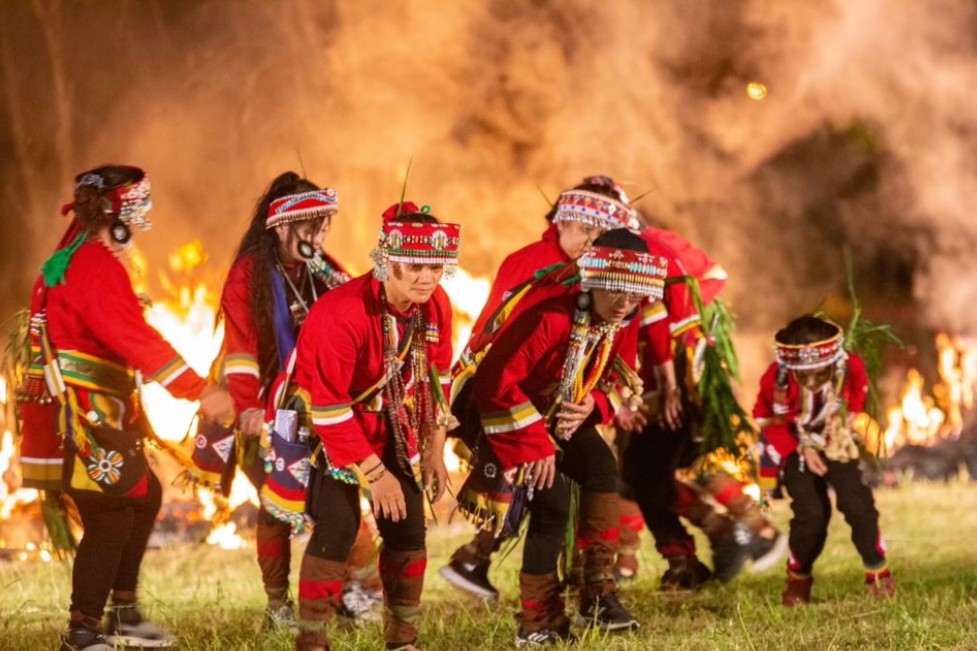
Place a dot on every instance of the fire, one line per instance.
(468, 295)
(923, 419)
(186, 319)
(10, 494)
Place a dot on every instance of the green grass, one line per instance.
(211, 599)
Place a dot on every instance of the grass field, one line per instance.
(211, 599)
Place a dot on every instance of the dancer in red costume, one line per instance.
(374, 355)
(89, 337)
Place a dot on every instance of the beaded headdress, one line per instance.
(131, 201)
(302, 206)
(594, 209)
(623, 270)
(812, 356)
(414, 243)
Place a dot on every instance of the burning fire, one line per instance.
(186, 319)
(922, 419)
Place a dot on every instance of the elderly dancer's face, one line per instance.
(576, 238)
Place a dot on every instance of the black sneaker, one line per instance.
(766, 552)
(84, 639)
(470, 577)
(127, 627)
(546, 637)
(607, 614)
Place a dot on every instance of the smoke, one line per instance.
(866, 137)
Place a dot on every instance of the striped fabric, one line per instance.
(510, 420)
(170, 371)
(653, 312)
(243, 364)
(331, 414)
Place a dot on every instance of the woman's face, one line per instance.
(576, 238)
(290, 237)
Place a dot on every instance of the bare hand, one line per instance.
(388, 498)
(216, 404)
(814, 462)
(251, 422)
(435, 476)
(671, 409)
(571, 417)
(542, 473)
(631, 420)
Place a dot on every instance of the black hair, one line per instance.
(90, 205)
(262, 243)
(806, 329)
(622, 238)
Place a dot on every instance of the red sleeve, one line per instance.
(511, 273)
(856, 385)
(239, 363)
(776, 434)
(656, 337)
(332, 339)
(118, 322)
(512, 424)
(442, 353)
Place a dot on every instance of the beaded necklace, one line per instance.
(408, 417)
(576, 382)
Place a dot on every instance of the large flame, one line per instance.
(922, 419)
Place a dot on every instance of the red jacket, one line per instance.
(238, 362)
(340, 360)
(520, 266)
(515, 384)
(96, 313)
(779, 432)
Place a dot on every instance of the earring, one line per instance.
(120, 232)
(306, 250)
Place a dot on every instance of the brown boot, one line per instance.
(798, 590)
(320, 590)
(402, 573)
(542, 605)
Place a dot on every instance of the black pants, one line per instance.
(812, 512)
(112, 547)
(585, 458)
(335, 507)
(648, 466)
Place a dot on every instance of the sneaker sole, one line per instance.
(460, 582)
(772, 557)
(633, 625)
(138, 642)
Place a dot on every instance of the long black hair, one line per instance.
(262, 244)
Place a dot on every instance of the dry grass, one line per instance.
(211, 599)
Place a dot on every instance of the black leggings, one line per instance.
(812, 511)
(648, 466)
(335, 507)
(587, 459)
(112, 547)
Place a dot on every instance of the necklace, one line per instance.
(408, 415)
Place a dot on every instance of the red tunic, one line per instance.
(778, 433)
(515, 385)
(676, 315)
(518, 267)
(96, 312)
(239, 358)
(340, 360)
